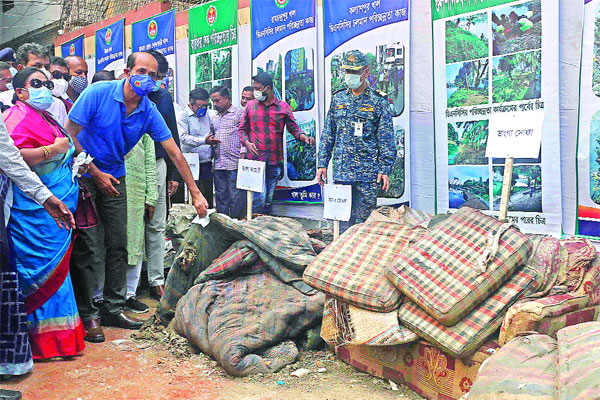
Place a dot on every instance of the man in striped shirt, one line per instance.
(226, 123)
(261, 131)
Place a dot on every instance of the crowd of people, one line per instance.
(74, 238)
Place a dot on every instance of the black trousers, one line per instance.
(89, 248)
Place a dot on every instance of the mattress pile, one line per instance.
(451, 280)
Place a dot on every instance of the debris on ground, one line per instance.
(299, 373)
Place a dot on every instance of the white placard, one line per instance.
(251, 175)
(193, 161)
(515, 135)
(337, 200)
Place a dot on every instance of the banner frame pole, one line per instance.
(506, 185)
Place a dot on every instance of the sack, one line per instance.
(458, 264)
(523, 369)
(86, 215)
(344, 324)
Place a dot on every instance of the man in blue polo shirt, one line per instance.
(107, 121)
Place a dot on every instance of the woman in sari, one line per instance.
(42, 250)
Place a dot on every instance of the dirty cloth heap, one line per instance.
(236, 292)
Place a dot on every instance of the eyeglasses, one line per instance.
(60, 75)
(37, 83)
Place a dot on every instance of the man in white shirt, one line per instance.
(196, 136)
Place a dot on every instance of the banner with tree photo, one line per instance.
(213, 46)
(588, 139)
(496, 61)
(380, 29)
(284, 44)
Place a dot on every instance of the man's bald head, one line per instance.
(77, 66)
(142, 63)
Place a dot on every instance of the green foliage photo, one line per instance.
(466, 142)
(467, 38)
(302, 158)
(596, 70)
(222, 63)
(467, 83)
(203, 67)
(397, 176)
(517, 77)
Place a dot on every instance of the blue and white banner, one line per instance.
(284, 44)
(110, 45)
(380, 29)
(158, 33)
(347, 19)
(73, 47)
(154, 33)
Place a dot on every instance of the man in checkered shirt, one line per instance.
(226, 124)
(261, 131)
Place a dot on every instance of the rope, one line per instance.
(491, 246)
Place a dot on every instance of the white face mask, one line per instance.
(260, 96)
(60, 87)
(352, 80)
(13, 71)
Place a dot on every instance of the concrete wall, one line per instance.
(26, 16)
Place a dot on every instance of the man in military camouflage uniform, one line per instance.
(359, 131)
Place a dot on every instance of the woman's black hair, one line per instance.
(20, 79)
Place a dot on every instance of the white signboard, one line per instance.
(337, 200)
(251, 175)
(515, 135)
(194, 163)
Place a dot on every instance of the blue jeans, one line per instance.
(261, 202)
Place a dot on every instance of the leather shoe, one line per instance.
(121, 321)
(157, 292)
(93, 331)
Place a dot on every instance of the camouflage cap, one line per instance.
(354, 60)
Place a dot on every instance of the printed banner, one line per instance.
(588, 139)
(73, 47)
(110, 45)
(284, 44)
(381, 30)
(213, 46)
(157, 33)
(496, 63)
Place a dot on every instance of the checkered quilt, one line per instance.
(459, 263)
(352, 269)
(469, 334)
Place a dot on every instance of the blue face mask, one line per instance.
(40, 99)
(201, 112)
(143, 85)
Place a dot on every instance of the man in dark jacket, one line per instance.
(168, 181)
